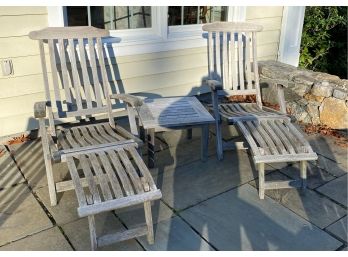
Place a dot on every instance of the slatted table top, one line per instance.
(172, 112)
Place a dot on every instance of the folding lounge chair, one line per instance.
(113, 173)
(233, 70)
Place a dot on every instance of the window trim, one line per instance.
(162, 38)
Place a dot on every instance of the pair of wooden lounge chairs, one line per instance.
(106, 169)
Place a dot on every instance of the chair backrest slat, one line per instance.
(52, 53)
(248, 61)
(94, 72)
(85, 78)
(78, 71)
(225, 57)
(65, 79)
(75, 74)
(240, 61)
(256, 71)
(211, 56)
(230, 58)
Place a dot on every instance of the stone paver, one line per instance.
(78, 233)
(9, 173)
(179, 155)
(29, 157)
(309, 205)
(232, 219)
(336, 190)
(48, 240)
(315, 176)
(239, 220)
(340, 229)
(66, 209)
(20, 214)
(332, 167)
(195, 182)
(175, 235)
(325, 146)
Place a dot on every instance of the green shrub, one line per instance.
(324, 40)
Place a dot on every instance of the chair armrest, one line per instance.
(281, 82)
(214, 84)
(134, 101)
(279, 86)
(40, 110)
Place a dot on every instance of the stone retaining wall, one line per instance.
(312, 97)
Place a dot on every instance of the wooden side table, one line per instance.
(170, 113)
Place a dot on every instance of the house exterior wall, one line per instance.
(169, 73)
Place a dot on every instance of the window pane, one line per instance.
(186, 15)
(77, 15)
(111, 17)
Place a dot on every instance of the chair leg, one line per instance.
(303, 174)
(48, 163)
(92, 232)
(219, 146)
(261, 180)
(148, 218)
(50, 180)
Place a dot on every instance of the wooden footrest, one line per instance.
(276, 141)
(110, 180)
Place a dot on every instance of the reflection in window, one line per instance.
(187, 15)
(110, 17)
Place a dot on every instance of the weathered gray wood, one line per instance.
(48, 162)
(65, 80)
(282, 184)
(134, 177)
(92, 232)
(281, 98)
(131, 99)
(92, 58)
(75, 76)
(85, 78)
(261, 170)
(121, 236)
(149, 223)
(68, 32)
(240, 62)
(54, 75)
(232, 26)
(256, 71)
(131, 200)
(102, 150)
(286, 158)
(269, 133)
(46, 86)
(76, 181)
(98, 148)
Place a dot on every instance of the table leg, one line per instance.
(204, 142)
(151, 147)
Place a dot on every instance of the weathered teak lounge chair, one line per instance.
(270, 134)
(113, 173)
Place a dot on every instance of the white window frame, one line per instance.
(156, 39)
